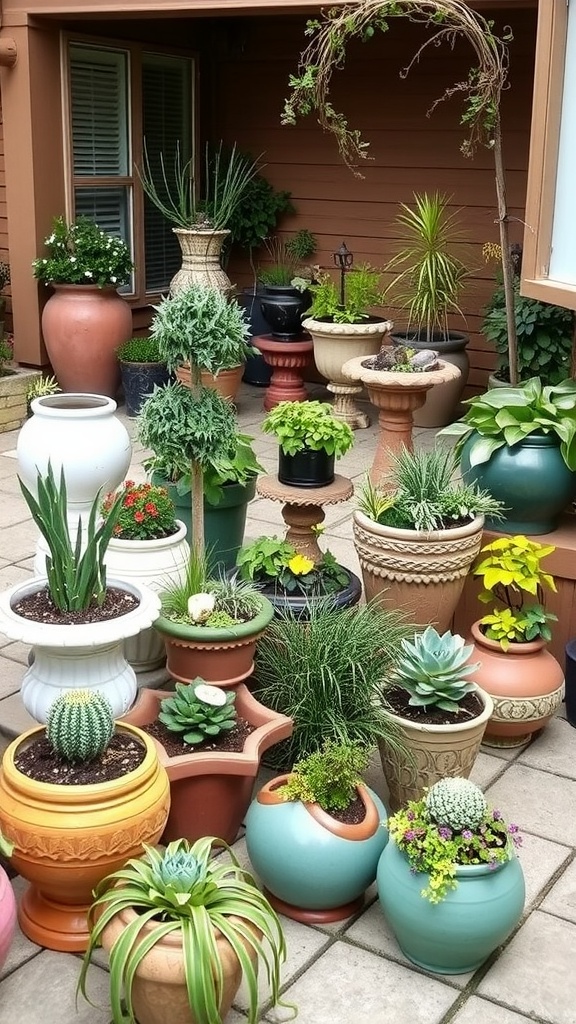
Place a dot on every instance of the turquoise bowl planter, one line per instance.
(315, 868)
(532, 480)
(458, 934)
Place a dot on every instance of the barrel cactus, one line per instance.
(456, 803)
(80, 725)
(434, 669)
(198, 711)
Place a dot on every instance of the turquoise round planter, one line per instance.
(458, 934)
(310, 872)
(530, 478)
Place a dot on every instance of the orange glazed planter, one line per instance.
(68, 838)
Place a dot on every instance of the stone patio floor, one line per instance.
(353, 973)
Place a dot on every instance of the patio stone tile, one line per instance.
(561, 900)
(11, 674)
(12, 512)
(504, 753)
(534, 974)
(14, 719)
(553, 750)
(480, 1010)
(540, 860)
(540, 803)
(19, 540)
(12, 574)
(43, 992)
(22, 949)
(369, 988)
(16, 651)
(486, 769)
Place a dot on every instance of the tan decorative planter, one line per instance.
(201, 251)
(13, 387)
(422, 574)
(226, 382)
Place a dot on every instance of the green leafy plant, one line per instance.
(200, 326)
(330, 676)
(433, 669)
(183, 891)
(288, 257)
(328, 777)
(257, 213)
(80, 725)
(41, 386)
(146, 512)
(237, 468)
(362, 291)
(198, 711)
(302, 245)
(300, 425)
(4, 275)
(509, 568)
(76, 573)
(449, 827)
(6, 354)
(271, 560)
(81, 253)
(505, 416)
(139, 350)
(425, 493)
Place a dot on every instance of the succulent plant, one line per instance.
(433, 669)
(198, 711)
(80, 725)
(456, 803)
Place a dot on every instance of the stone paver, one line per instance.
(561, 900)
(537, 801)
(553, 750)
(48, 994)
(481, 1011)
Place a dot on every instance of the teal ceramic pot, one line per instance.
(314, 867)
(532, 480)
(458, 934)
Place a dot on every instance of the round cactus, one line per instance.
(80, 725)
(456, 803)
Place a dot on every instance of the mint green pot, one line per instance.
(458, 934)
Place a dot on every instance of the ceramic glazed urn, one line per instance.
(211, 790)
(68, 838)
(7, 916)
(91, 652)
(314, 867)
(458, 934)
(422, 574)
(526, 684)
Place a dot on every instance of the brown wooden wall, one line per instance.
(4, 251)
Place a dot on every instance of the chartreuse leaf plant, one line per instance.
(301, 425)
(510, 568)
(328, 776)
(184, 890)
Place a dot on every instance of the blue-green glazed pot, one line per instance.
(458, 934)
(314, 867)
(530, 478)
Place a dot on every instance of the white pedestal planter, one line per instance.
(90, 656)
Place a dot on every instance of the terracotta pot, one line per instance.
(211, 791)
(201, 252)
(82, 327)
(226, 382)
(526, 684)
(222, 656)
(7, 916)
(159, 993)
(434, 752)
(423, 574)
(68, 838)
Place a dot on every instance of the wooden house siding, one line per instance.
(4, 247)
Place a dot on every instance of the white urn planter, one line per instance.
(89, 655)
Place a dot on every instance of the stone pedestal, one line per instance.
(303, 509)
(288, 359)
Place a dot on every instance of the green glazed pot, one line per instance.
(458, 934)
(530, 478)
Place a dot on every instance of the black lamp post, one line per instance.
(343, 259)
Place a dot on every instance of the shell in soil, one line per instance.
(39, 762)
(468, 708)
(39, 607)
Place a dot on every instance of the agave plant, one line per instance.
(433, 669)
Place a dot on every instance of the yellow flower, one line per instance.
(300, 565)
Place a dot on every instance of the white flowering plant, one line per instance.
(80, 253)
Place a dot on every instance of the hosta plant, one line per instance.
(434, 669)
(270, 560)
(451, 826)
(80, 725)
(198, 711)
(328, 776)
(510, 569)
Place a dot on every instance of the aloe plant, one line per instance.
(433, 669)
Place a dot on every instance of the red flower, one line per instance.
(151, 509)
(128, 484)
(138, 517)
(129, 500)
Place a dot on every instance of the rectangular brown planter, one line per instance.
(13, 388)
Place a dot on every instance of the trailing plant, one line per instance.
(139, 350)
(146, 512)
(271, 560)
(361, 291)
(449, 827)
(76, 573)
(200, 326)
(182, 890)
(433, 669)
(80, 725)
(311, 425)
(198, 711)
(81, 253)
(239, 468)
(425, 493)
(328, 777)
(509, 568)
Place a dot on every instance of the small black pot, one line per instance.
(306, 469)
(256, 371)
(571, 682)
(283, 308)
(138, 382)
(299, 605)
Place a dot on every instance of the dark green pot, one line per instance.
(530, 478)
(224, 523)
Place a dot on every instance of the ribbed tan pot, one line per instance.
(201, 252)
(421, 574)
(526, 684)
(159, 993)
(434, 751)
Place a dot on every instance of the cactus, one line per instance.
(80, 725)
(456, 803)
(433, 669)
(198, 711)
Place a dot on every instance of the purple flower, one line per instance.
(409, 835)
(444, 832)
(467, 834)
(497, 815)
(410, 815)
(512, 829)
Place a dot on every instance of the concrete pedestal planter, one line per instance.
(211, 790)
(65, 655)
(7, 916)
(440, 407)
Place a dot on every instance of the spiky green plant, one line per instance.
(80, 725)
(433, 669)
(240, 599)
(456, 803)
(329, 776)
(198, 711)
(182, 891)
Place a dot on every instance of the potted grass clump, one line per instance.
(310, 439)
(77, 798)
(141, 370)
(314, 836)
(182, 928)
(449, 882)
